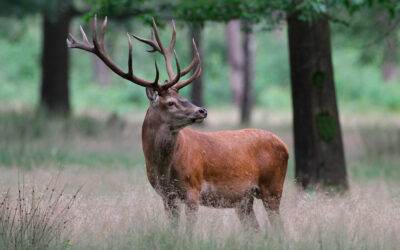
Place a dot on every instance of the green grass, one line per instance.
(30, 141)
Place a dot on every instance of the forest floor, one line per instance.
(117, 208)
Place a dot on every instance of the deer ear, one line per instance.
(151, 94)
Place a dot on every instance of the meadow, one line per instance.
(116, 208)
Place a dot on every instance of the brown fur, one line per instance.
(221, 169)
(225, 169)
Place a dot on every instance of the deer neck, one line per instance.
(158, 142)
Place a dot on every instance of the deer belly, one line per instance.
(224, 195)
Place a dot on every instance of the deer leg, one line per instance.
(172, 210)
(246, 214)
(271, 201)
(192, 205)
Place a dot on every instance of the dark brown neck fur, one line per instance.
(158, 142)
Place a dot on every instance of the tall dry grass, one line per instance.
(368, 217)
(118, 209)
(32, 219)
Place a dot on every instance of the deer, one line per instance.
(224, 169)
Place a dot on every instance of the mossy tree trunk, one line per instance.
(319, 155)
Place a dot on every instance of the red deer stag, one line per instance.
(225, 169)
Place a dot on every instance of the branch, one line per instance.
(336, 20)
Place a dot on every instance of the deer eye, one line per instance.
(170, 103)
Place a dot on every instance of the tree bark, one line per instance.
(101, 73)
(248, 73)
(235, 60)
(54, 89)
(196, 93)
(390, 70)
(389, 67)
(319, 155)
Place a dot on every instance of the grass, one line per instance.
(117, 208)
(35, 220)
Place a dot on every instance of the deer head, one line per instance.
(165, 102)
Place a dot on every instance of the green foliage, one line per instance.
(20, 8)
(253, 10)
(359, 86)
(391, 6)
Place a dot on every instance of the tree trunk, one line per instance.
(101, 73)
(248, 73)
(235, 60)
(196, 93)
(319, 155)
(54, 90)
(390, 70)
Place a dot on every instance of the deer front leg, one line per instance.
(192, 205)
(172, 209)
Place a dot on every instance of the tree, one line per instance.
(196, 93)
(319, 152)
(101, 72)
(240, 54)
(235, 60)
(55, 60)
(54, 92)
(390, 61)
(57, 15)
(246, 104)
(317, 134)
(318, 143)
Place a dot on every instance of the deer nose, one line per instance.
(203, 111)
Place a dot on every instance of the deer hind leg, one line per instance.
(246, 213)
(192, 205)
(271, 200)
(172, 209)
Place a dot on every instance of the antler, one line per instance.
(98, 49)
(156, 44)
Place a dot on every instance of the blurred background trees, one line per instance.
(56, 15)
(245, 59)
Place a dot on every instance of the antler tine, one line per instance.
(196, 74)
(94, 33)
(177, 76)
(157, 35)
(194, 60)
(157, 75)
(84, 37)
(102, 32)
(150, 42)
(130, 68)
(98, 49)
(184, 83)
(173, 39)
(72, 42)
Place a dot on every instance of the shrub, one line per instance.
(35, 221)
